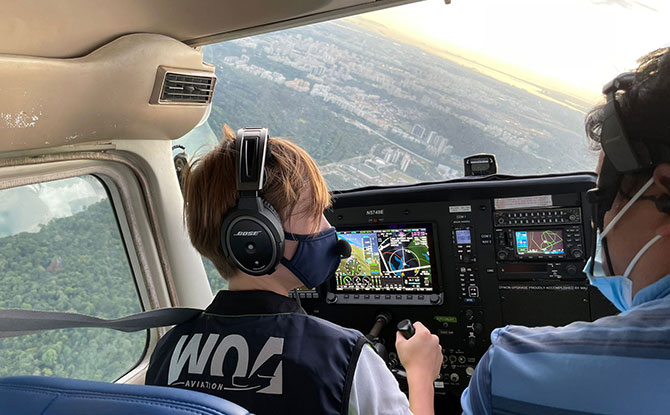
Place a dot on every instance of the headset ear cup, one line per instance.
(277, 225)
(276, 219)
(225, 231)
(269, 207)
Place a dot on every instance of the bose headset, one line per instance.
(622, 156)
(252, 235)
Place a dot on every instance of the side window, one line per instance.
(61, 250)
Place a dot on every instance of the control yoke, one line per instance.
(383, 318)
(406, 328)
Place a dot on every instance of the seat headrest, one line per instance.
(35, 395)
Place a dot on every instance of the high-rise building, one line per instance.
(418, 131)
(317, 70)
(405, 162)
(320, 90)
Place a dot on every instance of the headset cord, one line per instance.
(296, 296)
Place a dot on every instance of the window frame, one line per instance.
(124, 190)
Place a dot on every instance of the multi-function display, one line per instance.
(539, 242)
(389, 258)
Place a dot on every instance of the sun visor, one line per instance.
(140, 86)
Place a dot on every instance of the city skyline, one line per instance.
(373, 111)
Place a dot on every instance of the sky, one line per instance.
(26, 208)
(577, 44)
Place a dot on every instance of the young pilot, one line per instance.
(257, 347)
(617, 364)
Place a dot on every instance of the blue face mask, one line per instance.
(617, 288)
(317, 257)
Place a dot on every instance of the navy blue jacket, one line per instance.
(262, 351)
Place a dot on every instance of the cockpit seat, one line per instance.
(35, 395)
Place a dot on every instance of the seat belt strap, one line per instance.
(15, 323)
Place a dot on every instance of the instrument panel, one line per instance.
(463, 258)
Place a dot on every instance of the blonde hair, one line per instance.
(210, 191)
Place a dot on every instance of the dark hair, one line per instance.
(644, 111)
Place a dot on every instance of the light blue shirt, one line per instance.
(615, 365)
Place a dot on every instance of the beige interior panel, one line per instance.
(48, 102)
(72, 28)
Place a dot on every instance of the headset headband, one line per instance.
(626, 156)
(621, 154)
(251, 145)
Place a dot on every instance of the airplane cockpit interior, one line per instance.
(450, 135)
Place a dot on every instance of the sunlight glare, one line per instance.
(573, 44)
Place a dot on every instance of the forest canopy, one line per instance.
(76, 264)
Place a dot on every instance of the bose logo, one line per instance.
(247, 233)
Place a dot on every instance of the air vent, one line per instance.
(183, 87)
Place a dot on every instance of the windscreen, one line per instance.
(402, 95)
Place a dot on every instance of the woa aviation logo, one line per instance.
(264, 376)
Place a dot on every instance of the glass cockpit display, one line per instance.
(539, 242)
(463, 237)
(388, 258)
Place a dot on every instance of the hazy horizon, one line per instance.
(557, 44)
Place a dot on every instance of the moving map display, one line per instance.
(540, 242)
(386, 259)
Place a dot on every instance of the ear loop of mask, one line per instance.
(639, 254)
(614, 221)
(627, 206)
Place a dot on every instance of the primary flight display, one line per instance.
(386, 259)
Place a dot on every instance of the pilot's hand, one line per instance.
(421, 354)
